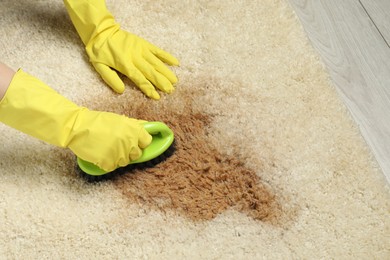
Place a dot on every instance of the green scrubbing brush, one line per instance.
(162, 139)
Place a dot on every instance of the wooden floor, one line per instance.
(353, 38)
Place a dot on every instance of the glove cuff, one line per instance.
(90, 18)
(32, 107)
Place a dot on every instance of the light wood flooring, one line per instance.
(353, 39)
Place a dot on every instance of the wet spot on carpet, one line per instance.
(198, 181)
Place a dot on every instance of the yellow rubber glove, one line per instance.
(111, 49)
(105, 139)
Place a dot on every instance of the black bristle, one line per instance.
(131, 167)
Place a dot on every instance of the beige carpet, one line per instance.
(268, 163)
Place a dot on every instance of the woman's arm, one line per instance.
(6, 75)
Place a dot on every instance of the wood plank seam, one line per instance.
(376, 26)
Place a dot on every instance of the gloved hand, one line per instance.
(105, 139)
(111, 49)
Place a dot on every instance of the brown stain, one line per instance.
(198, 181)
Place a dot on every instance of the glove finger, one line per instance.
(122, 162)
(163, 55)
(139, 79)
(160, 67)
(134, 154)
(155, 77)
(144, 138)
(110, 77)
(108, 167)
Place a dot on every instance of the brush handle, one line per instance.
(162, 138)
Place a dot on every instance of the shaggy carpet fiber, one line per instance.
(268, 162)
